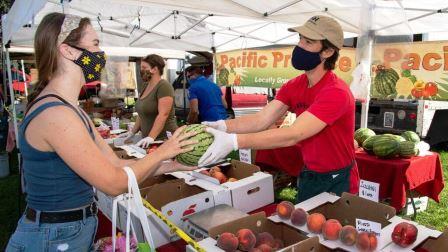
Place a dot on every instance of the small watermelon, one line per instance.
(411, 136)
(386, 146)
(204, 139)
(408, 149)
(367, 145)
(362, 134)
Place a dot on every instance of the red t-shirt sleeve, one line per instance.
(330, 104)
(284, 94)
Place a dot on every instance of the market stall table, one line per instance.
(423, 175)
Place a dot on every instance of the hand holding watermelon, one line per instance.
(173, 166)
(177, 144)
(222, 145)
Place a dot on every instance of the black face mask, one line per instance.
(146, 75)
(91, 64)
(305, 60)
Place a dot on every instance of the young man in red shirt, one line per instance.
(325, 110)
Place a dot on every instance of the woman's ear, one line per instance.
(68, 52)
(327, 53)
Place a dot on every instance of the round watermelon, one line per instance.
(396, 137)
(386, 146)
(408, 149)
(367, 145)
(411, 136)
(362, 134)
(204, 139)
(385, 80)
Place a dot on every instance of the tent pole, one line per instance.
(24, 78)
(11, 93)
(152, 27)
(191, 27)
(364, 53)
(281, 8)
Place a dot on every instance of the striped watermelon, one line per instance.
(408, 149)
(386, 146)
(367, 145)
(362, 134)
(385, 80)
(397, 137)
(204, 139)
(411, 136)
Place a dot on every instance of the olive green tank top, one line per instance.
(147, 109)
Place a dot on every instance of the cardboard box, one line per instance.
(172, 197)
(435, 244)
(293, 240)
(346, 209)
(254, 189)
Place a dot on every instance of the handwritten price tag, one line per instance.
(369, 190)
(368, 226)
(245, 156)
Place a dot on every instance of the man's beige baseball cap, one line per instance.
(320, 28)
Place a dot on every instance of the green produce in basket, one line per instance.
(288, 194)
(411, 136)
(362, 134)
(386, 146)
(204, 139)
(367, 145)
(408, 149)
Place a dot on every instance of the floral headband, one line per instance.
(70, 23)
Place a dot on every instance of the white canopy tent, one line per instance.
(227, 24)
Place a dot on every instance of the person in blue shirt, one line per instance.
(206, 100)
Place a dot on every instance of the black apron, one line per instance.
(311, 183)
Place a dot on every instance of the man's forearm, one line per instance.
(245, 124)
(269, 139)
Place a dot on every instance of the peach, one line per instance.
(348, 235)
(315, 222)
(246, 239)
(278, 244)
(232, 180)
(298, 217)
(220, 177)
(205, 172)
(366, 241)
(264, 238)
(214, 169)
(284, 210)
(331, 229)
(265, 248)
(227, 242)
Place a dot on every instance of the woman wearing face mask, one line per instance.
(63, 154)
(325, 110)
(155, 107)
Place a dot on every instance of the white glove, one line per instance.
(128, 135)
(222, 145)
(145, 142)
(219, 125)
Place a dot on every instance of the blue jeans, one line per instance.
(67, 236)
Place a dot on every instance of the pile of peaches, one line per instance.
(404, 233)
(216, 172)
(246, 240)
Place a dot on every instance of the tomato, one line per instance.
(431, 88)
